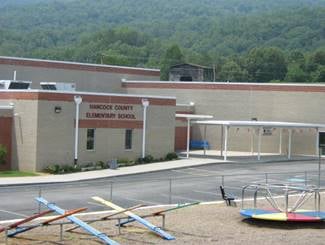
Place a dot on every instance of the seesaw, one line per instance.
(132, 217)
(16, 228)
(276, 212)
(137, 218)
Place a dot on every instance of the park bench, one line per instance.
(229, 198)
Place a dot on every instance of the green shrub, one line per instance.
(58, 169)
(101, 165)
(53, 169)
(3, 154)
(171, 156)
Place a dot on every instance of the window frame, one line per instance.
(126, 140)
(93, 139)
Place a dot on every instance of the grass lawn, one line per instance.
(16, 174)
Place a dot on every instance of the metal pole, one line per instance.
(305, 178)
(223, 180)
(170, 191)
(319, 165)
(205, 137)
(6, 236)
(61, 232)
(145, 104)
(252, 141)
(317, 142)
(188, 138)
(289, 144)
(39, 195)
(226, 143)
(163, 221)
(221, 145)
(259, 143)
(266, 178)
(111, 191)
(280, 143)
(78, 100)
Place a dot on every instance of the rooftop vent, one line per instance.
(14, 84)
(58, 86)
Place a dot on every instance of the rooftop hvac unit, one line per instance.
(58, 86)
(14, 84)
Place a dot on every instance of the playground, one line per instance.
(213, 223)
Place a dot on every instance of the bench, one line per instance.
(199, 144)
(229, 198)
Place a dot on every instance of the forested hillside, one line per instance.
(246, 40)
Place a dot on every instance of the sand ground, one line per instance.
(200, 224)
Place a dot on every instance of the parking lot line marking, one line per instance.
(207, 192)
(14, 213)
(204, 170)
(96, 204)
(139, 200)
(181, 197)
(190, 173)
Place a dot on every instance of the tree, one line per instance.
(295, 74)
(231, 71)
(173, 56)
(319, 75)
(297, 57)
(266, 64)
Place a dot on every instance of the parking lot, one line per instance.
(173, 186)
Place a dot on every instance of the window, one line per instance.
(90, 139)
(128, 139)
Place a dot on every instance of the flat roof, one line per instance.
(230, 83)
(55, 64)
(84, 93)
(260, 124)
(193, 116)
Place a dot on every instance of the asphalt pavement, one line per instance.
(175, 185)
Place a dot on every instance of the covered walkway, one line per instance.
(260, 127)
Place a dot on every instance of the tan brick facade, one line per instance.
(44, 136)
(291, 103)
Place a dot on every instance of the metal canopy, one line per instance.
(190, 117)
(260, 124)
(225, 125)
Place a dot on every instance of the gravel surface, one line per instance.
(201, 224)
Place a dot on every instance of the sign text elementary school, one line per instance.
(111, 111)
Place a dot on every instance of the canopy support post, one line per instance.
(226, 143)
(188, 138)
(259, 143)
(280, 142)
(205, 137)
(289, 143)
(317, 142)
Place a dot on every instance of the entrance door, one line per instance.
(322, 142)
(5, 140)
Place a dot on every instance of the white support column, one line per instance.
(188, 138)
(252, 141)
(289, 144)
(259, 143)
(280, 142)
(205, 137)
(226, 143)
(145, 104)
(317, 142)
(221, 141)
(78, 101)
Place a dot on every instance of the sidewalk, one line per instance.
(196, 159)
(97, 174)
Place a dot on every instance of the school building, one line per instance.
(113, 112)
